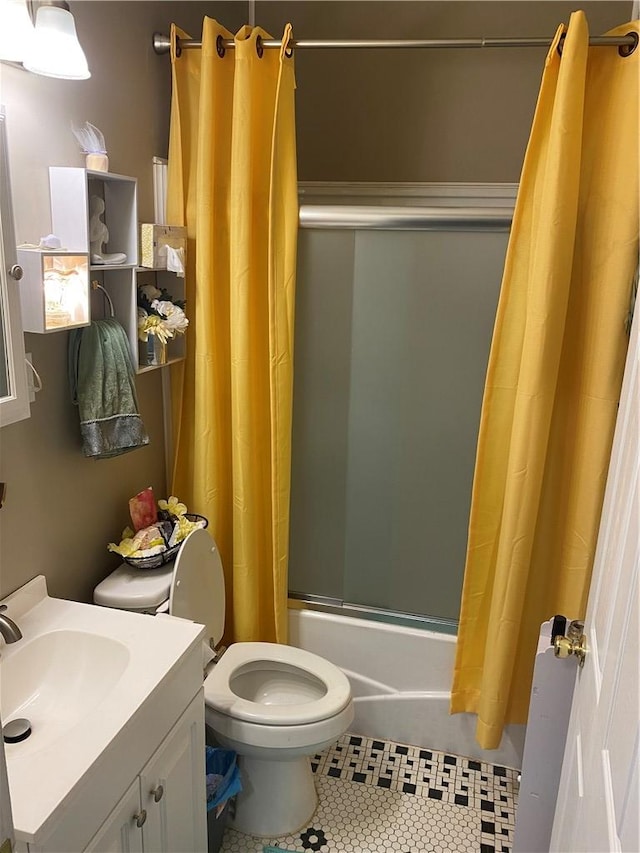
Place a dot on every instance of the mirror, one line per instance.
(14, 399)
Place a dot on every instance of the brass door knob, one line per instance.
(566, 646)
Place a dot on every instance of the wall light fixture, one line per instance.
(54, 49)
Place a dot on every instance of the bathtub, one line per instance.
(401, 679)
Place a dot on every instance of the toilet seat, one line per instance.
(313, 671)
(197, 584)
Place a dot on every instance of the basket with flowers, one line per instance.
(159, 531)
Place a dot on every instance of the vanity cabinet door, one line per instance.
(173, 789)
(120, 832)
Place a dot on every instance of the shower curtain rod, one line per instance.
(162, 43)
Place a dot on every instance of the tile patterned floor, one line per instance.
(383, 797)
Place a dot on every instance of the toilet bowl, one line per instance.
(275, 705)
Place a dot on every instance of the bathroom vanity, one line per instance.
(116, 756)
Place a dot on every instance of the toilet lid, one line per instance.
(223, 687)
(128, 588)
(197, 586)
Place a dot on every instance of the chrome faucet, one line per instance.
(8, 627)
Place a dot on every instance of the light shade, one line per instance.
(16, 30)
(55, 50)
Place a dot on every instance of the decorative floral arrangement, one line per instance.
(159, 314)
(158, 530)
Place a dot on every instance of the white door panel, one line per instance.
(598, 802)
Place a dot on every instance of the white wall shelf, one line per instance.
(54, 292)
(71, 191)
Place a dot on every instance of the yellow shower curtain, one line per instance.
(554, 375)
(232, 182)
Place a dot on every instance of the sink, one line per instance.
(97, 684)
(101, 687)
(57, 679)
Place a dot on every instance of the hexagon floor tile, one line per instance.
(382, 797)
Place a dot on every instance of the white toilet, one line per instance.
(274, 705)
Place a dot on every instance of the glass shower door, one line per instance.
(393, 330)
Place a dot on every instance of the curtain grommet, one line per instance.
(259, 47)
(288, 51)
(561, 43)
(627, 49)
(178, 48)
(220, 48)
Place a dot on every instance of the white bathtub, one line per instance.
(401, 680)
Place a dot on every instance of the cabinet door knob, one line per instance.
(158, 793)
(140, 818)
(16, 272)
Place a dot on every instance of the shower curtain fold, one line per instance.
(554, 376)
(232, 182)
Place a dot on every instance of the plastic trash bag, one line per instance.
(221, 763)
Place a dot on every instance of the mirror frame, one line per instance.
(15, 406)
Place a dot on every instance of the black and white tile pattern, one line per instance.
(377, 796)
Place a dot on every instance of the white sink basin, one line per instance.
(56, 679)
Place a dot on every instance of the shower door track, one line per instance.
(325, 604)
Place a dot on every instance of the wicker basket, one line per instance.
(157, 560)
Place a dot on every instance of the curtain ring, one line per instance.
(259, 46)
(178, 48)
(628, 49)
(287, 46)
(561, 43)
(220, 48)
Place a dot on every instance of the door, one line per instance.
(172, 788)
(121, 833)
(597, 808)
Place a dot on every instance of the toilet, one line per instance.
(275, 705)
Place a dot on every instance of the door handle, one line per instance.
(140, 818)
(575, 643)
(157, 793)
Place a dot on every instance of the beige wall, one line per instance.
(61, 509)
(362, 115)
(419, 115)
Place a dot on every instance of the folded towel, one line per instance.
(102, 381)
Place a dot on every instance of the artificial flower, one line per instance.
(150, 292)
(182, 529)
(126, 548)
(173, 506)
(152, 324)
(173, 315)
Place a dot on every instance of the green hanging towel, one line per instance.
(102, 381)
